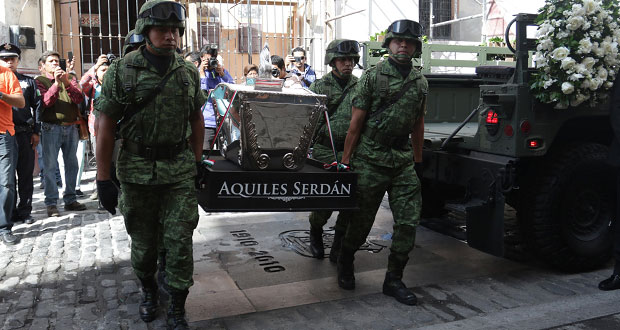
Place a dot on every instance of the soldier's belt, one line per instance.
(154, 152)
(396, 142)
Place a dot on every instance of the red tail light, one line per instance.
(492, 122)
(534, 143)
(492, 117)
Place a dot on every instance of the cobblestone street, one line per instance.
(73, 272)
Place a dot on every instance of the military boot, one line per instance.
(176, 310)
(393, 286)
(316, 243)
(346, 275)
(149, 304)
(336, 244)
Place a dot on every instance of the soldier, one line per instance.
(159, 157)
(388, 105)
(342, 55)
(133, 41)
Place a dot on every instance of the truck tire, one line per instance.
(567, 209)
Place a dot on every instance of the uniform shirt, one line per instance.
(207, 83)
(21, 116)
(308, 74)
(340, 117)
(395, 121)
(9, 84)
(159, 123)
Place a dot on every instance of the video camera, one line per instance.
(275, 72)
(110, 57)
(213, 63)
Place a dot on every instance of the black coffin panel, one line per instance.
(230, 188)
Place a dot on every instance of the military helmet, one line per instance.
(161, 13)
(342, 48)
(404, 29)
(132, 42)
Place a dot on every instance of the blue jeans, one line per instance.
(42, 166)
(8, 160)
(55, 138)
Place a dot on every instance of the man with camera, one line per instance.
(279, 71)
(211, 74)
(61, 96)
(26, 134)
(298, 66)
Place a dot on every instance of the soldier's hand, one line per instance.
(108, 195)
(342, 167)
(201, 175)
(419, 168)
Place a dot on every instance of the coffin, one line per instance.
(263, 130)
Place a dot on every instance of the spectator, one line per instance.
(26, 134)
(91, 83)
(58, 116)
(10, 96)
(212, 73)
(297, 65)
(250, 72)
(40, 147)
(194, 57)
(279, 71)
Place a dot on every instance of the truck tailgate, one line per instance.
(436, 133)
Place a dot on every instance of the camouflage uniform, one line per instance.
(339, 122)
(157, 194)
(383, 160)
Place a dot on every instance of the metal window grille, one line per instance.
(442, 10)
(89, 28)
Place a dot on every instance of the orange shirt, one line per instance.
(8, 85)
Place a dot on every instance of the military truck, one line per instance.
(489, 142)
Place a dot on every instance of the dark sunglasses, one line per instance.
(346, 47)
(404, 25)
(136, 39)
(165, 11)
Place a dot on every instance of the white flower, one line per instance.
(548, 83)
(608, 84)
(596, 83)
(551, 9)
(588, 62)
(567, 88)
(568, 64)
(579, 98)
(560, 53)
(575, 22)
(580, 68)
(562, 35)
(578, 10)
(586, 84)
(575, 76)
(585, 46)
(602, 73)
(544, 29)
(589, 6)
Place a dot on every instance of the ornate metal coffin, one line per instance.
(266, 130)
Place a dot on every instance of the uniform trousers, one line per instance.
(165, 213)
(24, 170)
(404, 194)
(616, 227)
(318, 219)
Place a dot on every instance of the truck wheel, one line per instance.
(568, 207)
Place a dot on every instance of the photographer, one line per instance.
(279, 71)
(296, 62)
(211, 74)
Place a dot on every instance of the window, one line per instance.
(442, 10)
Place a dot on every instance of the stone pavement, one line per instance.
(252, 272)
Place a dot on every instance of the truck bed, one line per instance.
(436, 133)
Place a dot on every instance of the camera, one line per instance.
(275, 72)
(297, 59)
(111, 57)
(213, 63)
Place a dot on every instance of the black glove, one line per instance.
(108, 195)
(419, 168)
(201, 175)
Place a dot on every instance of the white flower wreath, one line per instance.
(577, 54)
